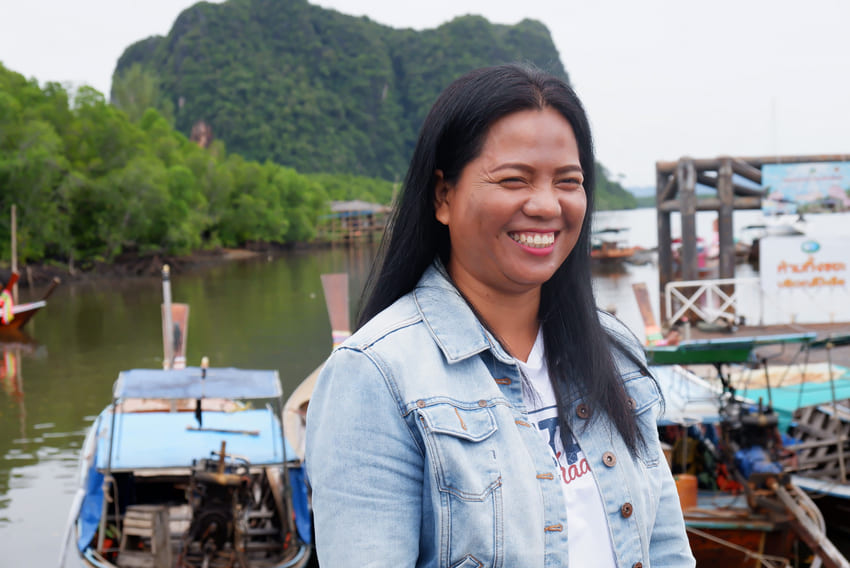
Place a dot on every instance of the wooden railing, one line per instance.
(709, 300)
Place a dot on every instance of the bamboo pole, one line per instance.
(167, 324)
(15, 250)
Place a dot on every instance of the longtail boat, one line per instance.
(749, 510)
(14, 316)
(189, 467)
(335, 288)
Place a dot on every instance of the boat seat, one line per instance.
(145, 539)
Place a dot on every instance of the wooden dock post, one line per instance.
(665, 241)
(687, 178)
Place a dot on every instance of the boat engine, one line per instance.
(218, 491)
(752, 439)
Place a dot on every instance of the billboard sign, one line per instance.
(805, 279)
(814, 187)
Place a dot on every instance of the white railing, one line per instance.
(708, 300)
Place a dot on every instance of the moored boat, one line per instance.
(608, 245)
(14, 316)
(749, 509)
(190, 467)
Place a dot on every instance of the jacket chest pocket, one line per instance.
(462, 454)
(462, 447)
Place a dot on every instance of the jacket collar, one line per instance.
(450, 320)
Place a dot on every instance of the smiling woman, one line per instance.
(464, 417)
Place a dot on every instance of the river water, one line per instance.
(258, 313)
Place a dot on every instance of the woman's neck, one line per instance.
(512, 318)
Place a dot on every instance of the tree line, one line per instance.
(90, 183)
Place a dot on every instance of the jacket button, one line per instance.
(637, 565)
(482, 403)
(609, 459)
(420, 403)
(626, 510)
(582, 411)
(632, 405)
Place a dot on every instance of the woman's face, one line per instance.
(516, 211)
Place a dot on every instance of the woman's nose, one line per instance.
(543, 202)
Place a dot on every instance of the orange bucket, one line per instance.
(686, 485)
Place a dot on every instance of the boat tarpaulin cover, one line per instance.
(172, 439)
(90, 509)
(229, 383)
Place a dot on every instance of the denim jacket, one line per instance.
(420, 452)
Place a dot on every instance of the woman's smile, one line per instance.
(535, 240)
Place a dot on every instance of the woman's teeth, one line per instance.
(535, 240)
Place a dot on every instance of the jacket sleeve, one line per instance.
(668, 545)
(365, 468)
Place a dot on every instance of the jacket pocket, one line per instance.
(462, 446)
(464, 461)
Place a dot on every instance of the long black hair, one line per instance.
(578, 348)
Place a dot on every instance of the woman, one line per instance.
(485, 414)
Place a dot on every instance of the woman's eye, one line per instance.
(512, 182)
(570, 183)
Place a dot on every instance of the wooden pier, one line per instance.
(676, 191)
(352, 222)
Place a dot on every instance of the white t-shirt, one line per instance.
(587, 526)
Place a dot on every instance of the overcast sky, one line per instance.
(660, 79)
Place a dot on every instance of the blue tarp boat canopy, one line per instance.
(229, 383)
(172, 439)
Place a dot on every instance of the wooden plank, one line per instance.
(335, 287)
(712, 204)
(667, 191)
(653, 332)
(755, 161)
(745, 170)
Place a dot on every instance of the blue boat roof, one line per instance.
(229, 383)
(173, 439)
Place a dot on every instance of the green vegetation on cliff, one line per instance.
(320, 91)
(317, 90)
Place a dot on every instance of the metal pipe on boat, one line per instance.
(167, 324)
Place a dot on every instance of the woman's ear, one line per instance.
(441, 198)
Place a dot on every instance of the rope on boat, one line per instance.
(766, 560)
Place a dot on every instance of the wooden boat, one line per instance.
(335, 288)
(755, 510)
(190, 467)
(606, 246)
(20, 314)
